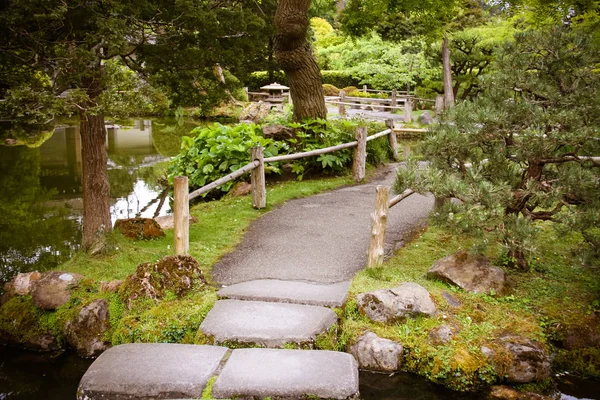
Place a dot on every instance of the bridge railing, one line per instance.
(256, 167)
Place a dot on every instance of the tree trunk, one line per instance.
(96, 188)
(448, 90)
(294, 55)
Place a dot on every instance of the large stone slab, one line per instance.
(290, 374)
(150, 371)
(266, 324)
(289, 292)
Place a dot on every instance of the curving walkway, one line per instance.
(279, 287)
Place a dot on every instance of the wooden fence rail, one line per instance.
(257, 170)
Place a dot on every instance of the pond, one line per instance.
(41, 202)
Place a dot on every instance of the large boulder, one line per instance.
(85, 332)
(255, 112)
(391, 305)
(173, 274)
(20, 285)
(529, 362)
(53, 289)
(278, 132)
(377, 354)
(139, 228)
(425, 119)
(473, 273)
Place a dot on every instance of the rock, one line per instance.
(473, 273)
(86, 331)
(426, 119)
(452, 302)
(391, 305)
(441, 334)
(255, 112)
(112, 286)
(99, 246)
(139, 228)
(586, 333)
(174, 274)
(11, 142)
(168, 221)
(377, 354)
(528, 360)
(487, 352)
(240, 189)
(278, 132)
(20, 285)
(52, 290)
(506, 393)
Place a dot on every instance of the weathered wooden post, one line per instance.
(181, 215)
(257, 178)
(439, 104)
(342, 106)
(392, 139)
(360, 155)
(364, 89)
(408, 110)
(378, 227)
(394, 99)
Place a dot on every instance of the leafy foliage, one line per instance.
(218, 150)
(516, 155)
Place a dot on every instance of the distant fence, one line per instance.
(256, 167)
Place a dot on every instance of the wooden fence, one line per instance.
(257, 169)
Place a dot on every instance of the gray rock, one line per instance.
(486, 351)
(377, 354)
(52, 290)
(473, 273)
(278, 132)
(529, 362)
(255, 112)
(426, 119)
(441, 334)
(150, 371)
(390, 305)
(86, 331)
(288, 374)
(20, 285)
(452, 302)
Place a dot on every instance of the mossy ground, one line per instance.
(557, 291)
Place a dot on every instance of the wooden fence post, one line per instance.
(378, 227)
(342, 107)
(257, 178)
(408, 110)
(394, 101)
(360, 155)
(392, 139)
(181, 215)
(364, 89)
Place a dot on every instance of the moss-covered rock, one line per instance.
(86, 332)
(173, 276)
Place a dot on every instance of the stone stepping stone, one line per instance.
(274, 290)
(266, 324)
(151, 371)
(290, 374)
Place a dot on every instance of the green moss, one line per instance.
(207, 392)
(21, 321)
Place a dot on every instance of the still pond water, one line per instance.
(40, 228)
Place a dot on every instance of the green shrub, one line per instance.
(218, 150)
(339, 78)
(330, 90)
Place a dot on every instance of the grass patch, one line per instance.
(556, 293)
(221, 227)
